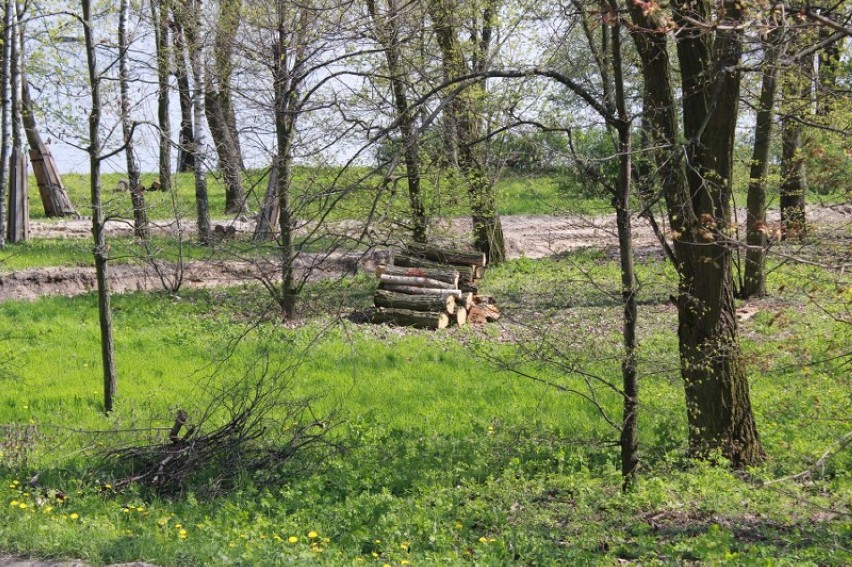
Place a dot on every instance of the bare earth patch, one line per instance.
(531, 236)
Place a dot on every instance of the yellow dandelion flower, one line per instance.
(182, 534)
(277, 537)
(22, 505)
(292, 539)
(163, 521)
(48, 509)
(16, 482)
(178, 526)
(386, 565)
(483, 539)
(13, 503)
(374, 554)
(232, 544)
(404, 546)
(378, 541)
(459, 526)
(312, 534)
(405, 562)
(74, 516)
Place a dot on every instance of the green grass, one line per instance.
(450, 457)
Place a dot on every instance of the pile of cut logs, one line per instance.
(432, 288)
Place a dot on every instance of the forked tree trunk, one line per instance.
(719, 412)
(100, 251)
(466, 114)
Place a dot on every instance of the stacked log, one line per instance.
(429, 287)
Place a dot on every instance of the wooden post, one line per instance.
(18, 225)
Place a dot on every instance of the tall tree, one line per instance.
(18, 227)
(467, 108)
(797, 104)
(6, 91)
(219, 105)
(698, 200)
(140, 212)
(186, 136)
(101, 251)
(386, 29)
(189, 14)
(754, 282)
(160, 11)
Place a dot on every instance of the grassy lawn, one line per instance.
(450, 456)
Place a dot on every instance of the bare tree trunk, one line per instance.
(160, 10)
(8, 7)
(797, 101)
(190, 12)
(267, 220)
(719, 410)
(220, 108)
(630, 384)
(101, 250)
(186, 137)
(387, 33)
(18, 226)
(754, 284)
(140, 212)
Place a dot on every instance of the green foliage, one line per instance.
(449, 458)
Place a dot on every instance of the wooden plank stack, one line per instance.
(432, 288)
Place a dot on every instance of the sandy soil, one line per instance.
(526, 235)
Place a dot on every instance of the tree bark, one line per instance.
(466, 273)
(447, 256)
(466, 111)
(387, 33)
(101, 251)
(190, 14)
(719, 409)
(754, 283)
(140, 211)
(186, 136)
(53, 195)
(5, 88)
(220, 108)
(797, 100)
(416, 290)
(415, 281)
(160, 10)
(18, 229)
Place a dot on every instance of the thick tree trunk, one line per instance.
(160, 10)
(754, 283)
(140, 211)
(719, 410)
(797, 103)
(101, 251)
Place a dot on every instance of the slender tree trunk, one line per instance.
(630, 383)
(140, 212)
(101, 250)
(719, 410)
(5, 133)
(160, 10)
(797, 101)
(754, 284)
(18, 226)
(191, 12)
(387, 33)
(186, 137)
(267, 220)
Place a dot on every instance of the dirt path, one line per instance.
(526, 235)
